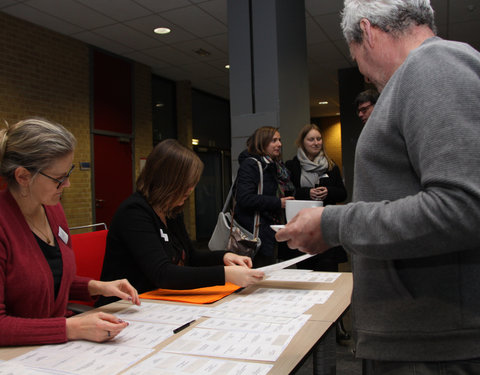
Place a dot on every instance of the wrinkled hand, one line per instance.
(242, 276)
(285, 199)
(98, 327)
(232, 259)
(117, 288)
(304, 231)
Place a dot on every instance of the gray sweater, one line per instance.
(414, 229)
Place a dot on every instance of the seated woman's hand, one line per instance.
(98, 327)
(117, 288)
(242, 276)
(232, 259)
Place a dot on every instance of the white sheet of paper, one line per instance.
(83, 358)
(279, 266)
(168, 363)
(303, 276)
(143, 334)
(276, 302)
(14, 368)
(161, 313)
(247, 316)
(237, 344)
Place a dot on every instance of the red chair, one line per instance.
(89, 249)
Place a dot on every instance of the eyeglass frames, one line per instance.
(362, 110)
(59, 180)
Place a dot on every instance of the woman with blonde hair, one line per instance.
(317, 177)
(148, 242)
(37, 264)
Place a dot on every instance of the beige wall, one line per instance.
(46, 74)
(332, 137)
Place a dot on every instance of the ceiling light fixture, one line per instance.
(194, 141)
(322, 103)
(162, 30)
(227, 66)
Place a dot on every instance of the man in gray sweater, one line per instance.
(413, 230)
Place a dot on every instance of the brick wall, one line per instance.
(46, 74)
(43, 73)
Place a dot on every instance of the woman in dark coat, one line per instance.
(317, 177)
(264, 146)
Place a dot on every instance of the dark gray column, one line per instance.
(268, 70)
(350, 83)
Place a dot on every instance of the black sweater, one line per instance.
(141, 249)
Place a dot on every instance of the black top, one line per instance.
(327, 261)
(334, 183)
(54, 260)
(151, 255)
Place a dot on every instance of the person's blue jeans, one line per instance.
(464, 367)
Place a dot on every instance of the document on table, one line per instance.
(279, 266)
(260, 346)
(14, 368)
(83, 358)
(276, 302)
(308, 276)
(247, 326)
(143, 334)
(246, 316)
(175, 364)
(159, 312)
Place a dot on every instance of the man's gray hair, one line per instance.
(391, 16)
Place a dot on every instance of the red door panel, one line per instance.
(112, 95)
(113, 175)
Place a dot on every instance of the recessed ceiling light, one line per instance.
(227, 66)
(322, 103)
(161, 30)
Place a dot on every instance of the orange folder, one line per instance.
(200, 295)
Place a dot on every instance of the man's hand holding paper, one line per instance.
(304, 231)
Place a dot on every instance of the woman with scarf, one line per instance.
(317, 177)
(265, 146)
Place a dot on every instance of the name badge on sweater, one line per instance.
(63, 235)
(164, 235)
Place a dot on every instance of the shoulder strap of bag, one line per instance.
(256, 220)
(229, 198)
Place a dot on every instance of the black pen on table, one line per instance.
(181, 328)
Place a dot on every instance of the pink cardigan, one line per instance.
(29, 313)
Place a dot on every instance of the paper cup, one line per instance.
(292, 207)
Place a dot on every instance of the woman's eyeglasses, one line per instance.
(59, 180)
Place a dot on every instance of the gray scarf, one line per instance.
(311, 170)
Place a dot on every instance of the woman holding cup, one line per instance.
(314, 174)
(317, 177)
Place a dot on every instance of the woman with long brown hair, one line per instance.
(148, 242)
